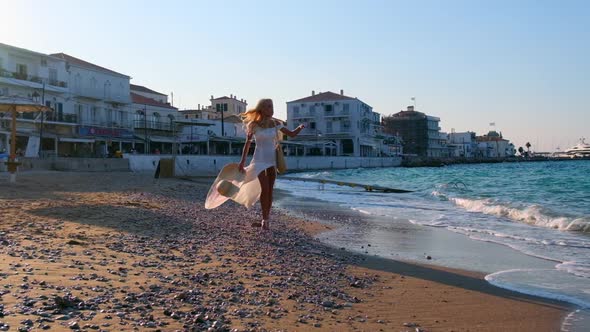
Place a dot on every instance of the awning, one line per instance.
(156, 138)
(76, 140)
(227, 139)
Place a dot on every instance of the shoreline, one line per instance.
(323, 212)
(134, 252)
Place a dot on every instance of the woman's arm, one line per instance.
(292, 133)
(250, 132)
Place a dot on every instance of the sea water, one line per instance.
(541, 209)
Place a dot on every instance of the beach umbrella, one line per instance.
(14, 105)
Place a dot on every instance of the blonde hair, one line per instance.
(254, 115)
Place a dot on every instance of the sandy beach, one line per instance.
(122, 252)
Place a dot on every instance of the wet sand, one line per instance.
(121, 252)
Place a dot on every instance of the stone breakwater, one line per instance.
(120, 258)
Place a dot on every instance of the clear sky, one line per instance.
(524, 65)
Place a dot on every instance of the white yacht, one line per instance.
(582, 149)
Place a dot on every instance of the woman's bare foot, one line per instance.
(266, 225)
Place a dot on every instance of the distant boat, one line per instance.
(582, 149)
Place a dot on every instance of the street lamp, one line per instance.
(36, 97)
(145, 137)
(318, 135)
(221, 108)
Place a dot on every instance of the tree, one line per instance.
(521, 151)
(528, 146)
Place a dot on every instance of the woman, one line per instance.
(256, 181)
(265, 129)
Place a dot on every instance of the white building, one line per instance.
(40, 77)
(99, 98)
(230, 105)
(200, 113)
(154, 121)
(335, 125)
(463, 145)
(493, 145)
(149, 93)
(203, 136)
(437, 146)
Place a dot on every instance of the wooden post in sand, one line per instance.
(13, 137)
(12, 164)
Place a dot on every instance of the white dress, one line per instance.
(264, 157)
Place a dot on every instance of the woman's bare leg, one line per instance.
(267, 181)
(264, 194)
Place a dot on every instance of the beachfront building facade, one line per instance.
(228, 105)
(420, 133)
(154, 121)
(205, 131)
(493, 145)
(335, 125)
(203, 136)
(199, 113)
(100, 100)
(43, 79)
(462, 144)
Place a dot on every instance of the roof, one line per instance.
(224, 97)
(230, 98)
(486, 138)
(408, 115)
(29, 51)
(141, 88)
(139, 99)
(86, 64)
(324, 96)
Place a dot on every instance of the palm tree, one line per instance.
(521, 151)
(528, 146)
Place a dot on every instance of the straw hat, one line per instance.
(226, 186)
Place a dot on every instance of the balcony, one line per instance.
(304, 115)
(333, 114)
(60, 117)
(155, 125)
(50, 117)
(31, 78)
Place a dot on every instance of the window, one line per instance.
(107, 90)
(312, 125)
(110, 118)
(123, 118)
(93, 114)
(345, 108)
(4, 92)
(296, 110)
(43, 62)
(328, 108)
(52, 76)
(77, 83)
(156, 120)
(1, 63)
(80, 113)
(59, 107)
(21, 71)
(329, 126)
(92, 83)
(346, 125)
(311, 110)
